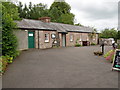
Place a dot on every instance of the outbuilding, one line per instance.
(43, 34)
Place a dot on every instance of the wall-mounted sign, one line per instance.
(53, 36)
(116, 61)
(30, 34)
(55, 42)
(26, 30)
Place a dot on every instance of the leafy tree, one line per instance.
(11, 9)
(60, 12)
(54, 14)
(109, 33)
(25, 12)
(33, 11)
(66, 18)
(20, 9)
(62, 7)
(40, 10)
(9, 41)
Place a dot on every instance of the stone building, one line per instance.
(43, 34)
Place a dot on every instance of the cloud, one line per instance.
(97, 13)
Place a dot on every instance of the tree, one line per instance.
(118, 35)
(66, 18)
(60, 12)
(20, 9)
(54, 14)
(109, 33)
(25, 12)
(33, 11)
(9, 41)
(62, 7)
(11, 9)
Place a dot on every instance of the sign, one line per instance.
(116, 61)
(53, 36)
(30, 34)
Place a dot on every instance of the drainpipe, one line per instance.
(38, 40)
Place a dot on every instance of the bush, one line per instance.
(93, 44)
(3, 64)
(77, 45)
(5, 60)
(99, 53)
(9, 40)
(118, 46)
(109, 55)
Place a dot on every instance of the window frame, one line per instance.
(47, 39)
(80, 38)
(71, 39)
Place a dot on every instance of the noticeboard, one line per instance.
(116, 61)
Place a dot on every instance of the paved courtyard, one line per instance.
(72, 67)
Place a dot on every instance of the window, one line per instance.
(71, 38)
(80, 38)
(87, 38)
(47, 37)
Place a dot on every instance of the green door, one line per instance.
(30, 39)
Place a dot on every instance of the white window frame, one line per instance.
(80, 38)
(87, 38)
(47, 38)
(71, 37)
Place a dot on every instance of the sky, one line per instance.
(99, 14)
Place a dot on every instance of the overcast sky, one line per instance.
(95, 13)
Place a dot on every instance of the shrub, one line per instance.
(5, 60)
(109, 55)
(9, 59)
(9, 40)
(93, 44)
(99, 53)
(3, 64)
(56, 47)
(77, 45)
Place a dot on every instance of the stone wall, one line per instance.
(79, 38)
(42, 44)
(76, 37)
(22, 36)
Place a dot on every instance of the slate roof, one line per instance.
(39, 25)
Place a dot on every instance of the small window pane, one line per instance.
(46, 37)
(71, 38)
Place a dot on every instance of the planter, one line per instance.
(98, 53)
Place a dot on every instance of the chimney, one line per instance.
(45, 19)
